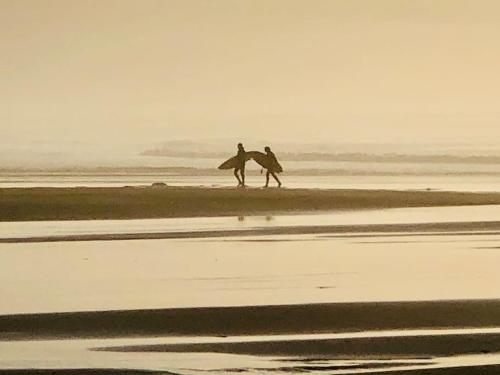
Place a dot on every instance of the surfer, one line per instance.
(240, 166)
(273, 168)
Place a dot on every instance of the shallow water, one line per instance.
(80, 354)
(73, 276)
(230, 271)
(76, 354)
(485, 183)
(228, 223)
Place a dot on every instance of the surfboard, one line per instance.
(259, 157)
(232, 163)
(265, 162)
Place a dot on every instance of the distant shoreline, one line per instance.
(254, 170)
(356, 157)
(85, 203)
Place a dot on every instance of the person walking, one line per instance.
(241, 156)
(273, 168)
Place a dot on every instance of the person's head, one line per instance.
(240, 146)
(267, 149)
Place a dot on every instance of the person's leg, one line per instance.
(267, 179)
(237, 176)
(276, 178)
(242, 171)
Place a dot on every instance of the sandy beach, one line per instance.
(431, 228)
(81, 203)
(354, 302)
(254, 320)
(478, 370)
(304, 336)
(249, 187)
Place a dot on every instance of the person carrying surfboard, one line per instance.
(240, 166)
(273, 167)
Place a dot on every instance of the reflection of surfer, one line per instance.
(273, 168)
(241, 158)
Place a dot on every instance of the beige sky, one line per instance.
(145, 70)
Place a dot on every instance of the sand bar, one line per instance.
(366, 347)
(79, 371)
(82, 203)
(253, 320)
(458, 228)
(464, 370)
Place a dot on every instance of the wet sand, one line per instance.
(378, 348)
(80, 371)
(465, 370)
(253, 320)
(374, 333)
(252, 333)
(23, 204)
(448, 227)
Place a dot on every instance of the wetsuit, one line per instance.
(274, 165)
(242, 158)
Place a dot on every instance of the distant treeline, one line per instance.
(342, 157)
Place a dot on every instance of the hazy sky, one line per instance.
(145, 70)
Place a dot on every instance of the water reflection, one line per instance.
(267, 218)
(360, 217)
(141, 274)
(76, 354)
